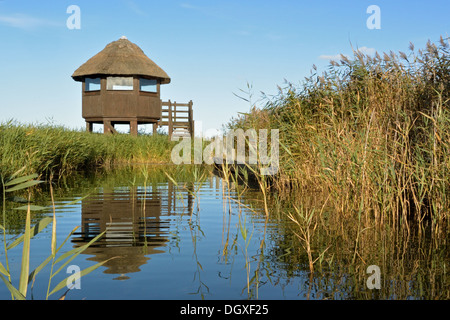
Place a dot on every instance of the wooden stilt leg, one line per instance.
(133, 127)
(89, 126)
(107, 127)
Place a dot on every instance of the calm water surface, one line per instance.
(197, 240)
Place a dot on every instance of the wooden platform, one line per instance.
(177, 117)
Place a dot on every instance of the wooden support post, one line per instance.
(89, 126)
(174, 117)
(170, 120)
(155, 127)
(191, 119)
(108, 128)
(134, 127)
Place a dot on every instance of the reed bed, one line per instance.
(372, 133)
(46, 149)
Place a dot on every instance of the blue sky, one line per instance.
(210, 49)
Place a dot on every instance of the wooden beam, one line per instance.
(89, 126)
(134, 127)
(108, 128)
(170, 121)
(191, 119)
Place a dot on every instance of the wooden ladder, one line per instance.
(178, 117)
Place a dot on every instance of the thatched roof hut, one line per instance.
(121, 85)
(121, 58)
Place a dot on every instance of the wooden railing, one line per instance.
(178, 117)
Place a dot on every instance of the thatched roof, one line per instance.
(121, 58)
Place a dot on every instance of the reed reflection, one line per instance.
(136, 222)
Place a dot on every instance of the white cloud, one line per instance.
(337, 57)
(331, 57)
(24, 21)
(368, 51)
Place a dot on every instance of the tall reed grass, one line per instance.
(372, 132)
(45, 149)
(26, 277)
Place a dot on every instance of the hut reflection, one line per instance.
(136, 222)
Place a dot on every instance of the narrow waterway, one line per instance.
(202, 238)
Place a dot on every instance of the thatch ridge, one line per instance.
(121, 58)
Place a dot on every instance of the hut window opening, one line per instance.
(147, 85)
(92, 84)
(119, 83)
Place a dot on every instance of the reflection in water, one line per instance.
(135, 220)
(227, 248)
(211, 239)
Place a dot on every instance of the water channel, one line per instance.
(195, 236)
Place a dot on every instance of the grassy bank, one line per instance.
(372, 134)
(46, 149)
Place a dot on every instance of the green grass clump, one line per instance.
(373, 133)
(46, 149)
